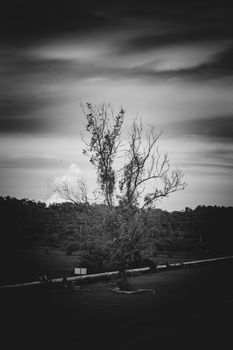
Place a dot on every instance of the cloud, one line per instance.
(24, 125)
(103, 55)
(29, 91)
(27, 21)
(30, 162)
(71, 178)
(212, 128)
(38, 78)
(219, 67)
(105, 51)
(185, 57)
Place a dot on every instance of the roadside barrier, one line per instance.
(115, 273)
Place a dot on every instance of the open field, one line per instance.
(191, 309)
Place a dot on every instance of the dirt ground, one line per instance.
(191, 309)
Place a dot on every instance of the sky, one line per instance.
(169, 63)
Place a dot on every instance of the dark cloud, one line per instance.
(180, 35)
(25, 24)
(215, 128)
(13, 105)
(18, 113)
(28, 20)
(31, 162)
(18, 63)
(28, 23)
(206, 165)
(24, 125)
(22, 100)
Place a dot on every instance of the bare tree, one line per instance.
(76, 195)
(145, 177)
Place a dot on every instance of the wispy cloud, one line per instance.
(104, 53)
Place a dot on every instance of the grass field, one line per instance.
(55, 263)
(192, 309)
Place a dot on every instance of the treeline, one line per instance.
(206, 230)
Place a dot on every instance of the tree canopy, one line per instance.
(145, 175)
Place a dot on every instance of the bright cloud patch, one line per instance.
(71, 178)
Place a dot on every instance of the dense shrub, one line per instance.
(96, 260)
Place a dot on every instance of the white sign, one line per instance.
(80, 270)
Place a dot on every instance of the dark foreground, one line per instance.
(192, 309)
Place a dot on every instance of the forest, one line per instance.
(27, 224)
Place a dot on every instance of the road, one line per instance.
(191, 309)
